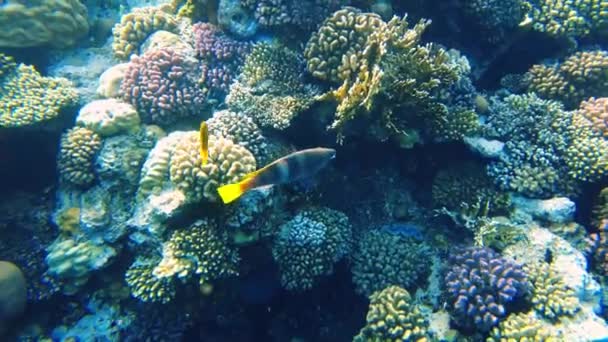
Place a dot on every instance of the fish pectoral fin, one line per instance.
(230, 192)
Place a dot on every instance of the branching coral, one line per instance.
(302, 14)
(308, 246)
(549, 294)
(221, 57)
(595, 110)
(582, 75)
(383, 259)
(145, 286)
(164, 86)
(392, 316)
(521, 327)
(78, 149)
(199, 251)
(389, 81)
(481, 285)
(567, 18)
(27, 98)
(271, 88)
(139, 24)
(58, 23)
(242, 131)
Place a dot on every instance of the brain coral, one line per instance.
(78, 149)
(382, 259)
(480, 286)
(26, 98)
(200, 251)
(108, 117)
(242, 131)
(308, 246)
(164, 86)
(58, 23)
(139, 24)
(392, 317)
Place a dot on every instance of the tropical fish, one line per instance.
(204, 135)
(292, 167)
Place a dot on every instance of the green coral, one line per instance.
(145, 286)
(455, 124)
(550, 295)
(308, 246)
(581, 75)
(522, 327)
(57, 23)
(139, 24)
(200, 251)
(382, 259)
(27, 98)
(567, 18)
(392, 317)
(79, 146)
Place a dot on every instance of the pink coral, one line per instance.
(164, 86)
(596, 111)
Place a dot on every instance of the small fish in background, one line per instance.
(204, 135)
(292, 167)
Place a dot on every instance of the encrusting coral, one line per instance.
(108, 117)
(383, 259)
(27, 98)
(56, 23)
(308, 246)
(392, 317)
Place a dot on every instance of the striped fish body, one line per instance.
(292, 167)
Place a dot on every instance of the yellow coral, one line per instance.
(78, 148)
(522, 327)
(550, 296)
(58, 23)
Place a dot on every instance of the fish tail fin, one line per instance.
(231, 192)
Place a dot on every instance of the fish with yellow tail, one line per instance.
(292, 167)
(204, 137)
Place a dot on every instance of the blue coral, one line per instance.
(481, 287)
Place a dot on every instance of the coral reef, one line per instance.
(308, 246)
(200, 251)
(27, 98)
(521, 327)
(79, 147)
(580, 76)
(139, 24)
(235, 18)
(108, 117)
(596, 111)
(393, 316)
(55, 23)
(481, 285)
(145, 286)
(549, 295)
(303, 14)
(164, 86)
(382, 259)
(496, 18)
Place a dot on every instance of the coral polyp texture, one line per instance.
(595, 110)
(164, 86)
(271, 88)
(108, 117)
(567, 18)
(78, 149)
(522, 327)
(393, 316)
(481, 286)
(581, 75)
(175, 163)
(308, 246)
(382, 259)
(300, 14)
(221, 56)
(200, 251)
(139, 24)
(145, 286)
(549, 294)
(27, 98)
(242, 131)
(55, 23)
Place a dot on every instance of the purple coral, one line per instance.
(221, 56)
(164, 86)
(480, 286)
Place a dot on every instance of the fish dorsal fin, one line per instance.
(253, 174)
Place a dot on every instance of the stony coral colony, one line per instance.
(485, 243)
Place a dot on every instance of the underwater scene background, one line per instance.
(159, 178)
